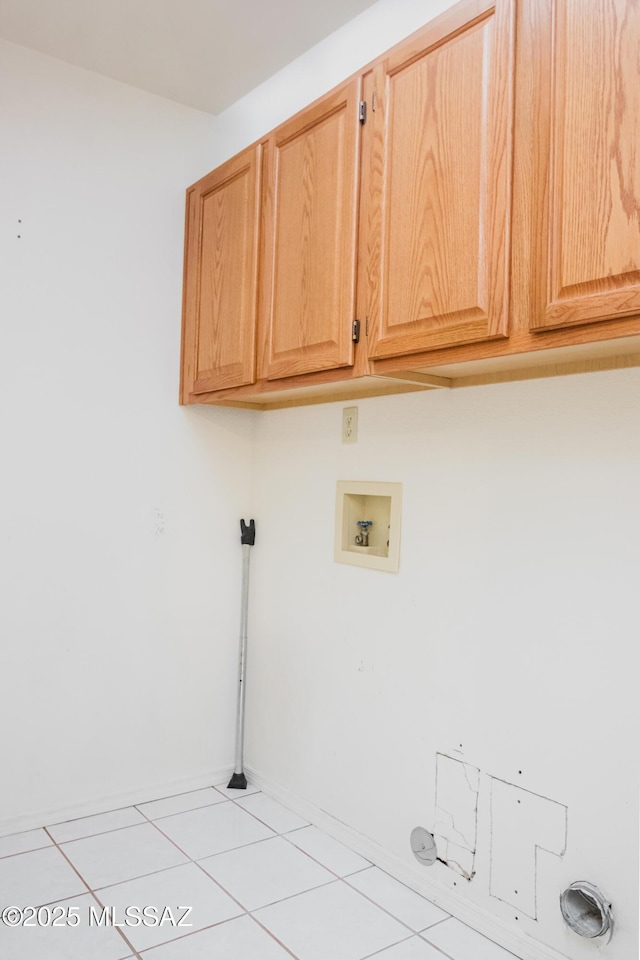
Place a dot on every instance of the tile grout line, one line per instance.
(108, 886)
(377, 953)
(285, 836)
(291, 896)
(126, 826)
(8, 856)
(101, 833)
(224, 890)
(334, 876)
(337, 877)
(193, 933)
(436, 924)
(282, 836)
(273, 937)
(141, 876)
(312, 858)
(147, 820)
(237, 800)
(345, 880)
(434, 946)
(388, 912)
(128, 943)
(172, 796)
(355, 873)
(298, 829)
(183, 936)
(92, 893)
(372, 956)
(179, 813)
(422, 934)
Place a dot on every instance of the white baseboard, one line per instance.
(492, 927)
(86, 808)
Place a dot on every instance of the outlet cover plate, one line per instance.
(349, 424)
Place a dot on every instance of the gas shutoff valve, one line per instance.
(362, 539)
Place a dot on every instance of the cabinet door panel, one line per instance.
(220, 307)
(441, 178)
(593, 268)
(310, 236)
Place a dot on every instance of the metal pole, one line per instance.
(248, 537)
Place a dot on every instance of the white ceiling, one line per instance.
(203, 53)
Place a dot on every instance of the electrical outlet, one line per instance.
(349, 424)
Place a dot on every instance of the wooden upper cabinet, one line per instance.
(310, 216)
(487, 207)
(439, 184)
(590, 161)
(221, 266)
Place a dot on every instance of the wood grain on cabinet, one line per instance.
(591, 131)
(310, 236)
(440, 182)
(221, 267)
(483, 224)
(611, 336)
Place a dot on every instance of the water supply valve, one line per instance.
(362, 538)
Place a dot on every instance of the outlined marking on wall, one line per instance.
(523, 825)
(456, 814)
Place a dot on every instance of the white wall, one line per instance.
(118, 509)
(509, 629)
(511, 624)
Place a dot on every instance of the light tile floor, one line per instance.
(262, 884)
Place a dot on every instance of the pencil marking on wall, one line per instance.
(524, 825)
(456, 814)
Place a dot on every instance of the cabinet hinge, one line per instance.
(362, 111)
(355, 331)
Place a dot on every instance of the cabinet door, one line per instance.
(440, 183)
(219, 334)
(591, 129)
(311, 181)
